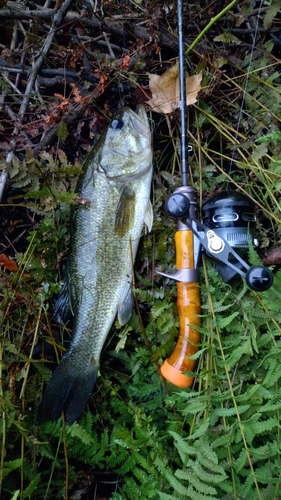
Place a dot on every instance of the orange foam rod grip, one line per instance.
(188, 304)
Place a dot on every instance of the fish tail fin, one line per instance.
(66, 393)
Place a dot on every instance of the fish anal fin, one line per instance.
(125, 213)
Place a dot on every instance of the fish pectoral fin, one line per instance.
(125, 213)
(148, 218)
(125, 309)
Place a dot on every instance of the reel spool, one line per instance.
(230, 215)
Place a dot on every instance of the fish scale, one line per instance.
(105, 233)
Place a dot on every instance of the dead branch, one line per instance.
(57, 20)
(16, 11)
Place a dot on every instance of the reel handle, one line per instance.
(188, 304)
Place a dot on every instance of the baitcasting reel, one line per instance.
(228, 223)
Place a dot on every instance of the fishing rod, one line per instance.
(228, 223)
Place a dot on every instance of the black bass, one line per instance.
(105, 233)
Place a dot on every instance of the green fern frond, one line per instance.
(197, 484)
(169, 475)
(269, 407)
(208, 477)
(245, 489)
(192, 494)
(226, 412)
(12, 465)
(165, 496)
(223, 441)
(209, 459)
(241, 461)
(253, 428)
(272, 136)
(75, 430)
(273, 373)
(237, 354)
(27, 492)
(201, 431)
(195, 406)
(127, 466)
(182, 446)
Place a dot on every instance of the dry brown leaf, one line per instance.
(165, 90)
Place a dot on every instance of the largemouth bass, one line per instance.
(105, 233)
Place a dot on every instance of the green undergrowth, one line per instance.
(219, 439)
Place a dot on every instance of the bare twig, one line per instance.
(57, 20)
(113, 24)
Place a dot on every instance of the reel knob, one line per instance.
(177, 205)
(259, 278)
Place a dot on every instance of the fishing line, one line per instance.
(183, 107)
(244, 92)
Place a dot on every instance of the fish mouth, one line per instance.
(139, 121)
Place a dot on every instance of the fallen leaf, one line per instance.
(272, 257)
(165, 90)
(9, 264)
(63, 105)
(77, 96)
(126, 61)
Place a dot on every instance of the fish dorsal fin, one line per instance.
(125, 213)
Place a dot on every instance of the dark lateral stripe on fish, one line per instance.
(65, 393)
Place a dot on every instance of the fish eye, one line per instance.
(117, 124)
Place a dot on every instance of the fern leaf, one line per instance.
(252, 428)
(273, 373)
(237, 354)
(194, 495)
(270, 450)
(165, 496)
(249, 394)
(223, 441)
(12, 465)
(201, 487)
(223, 322)
(271, 12)
(270, 407)
(266, 425)
(184, 449)
(226, 412)
(176, 485)
(201, 431)
(127, 466)
(241, 461)
(273, 136)
(75, 430)
(196, 406)
(208, 477)
(15, 495)
(32, 486)
(209, 459)
(246, 487)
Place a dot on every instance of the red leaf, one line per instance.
(9, 264)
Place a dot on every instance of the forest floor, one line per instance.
(67, 67)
